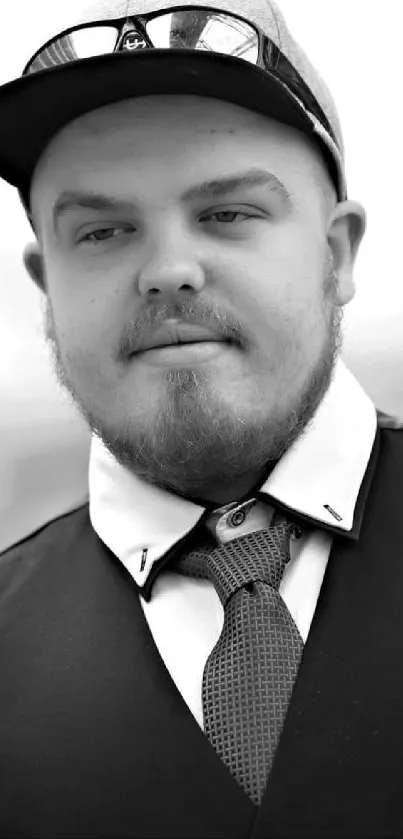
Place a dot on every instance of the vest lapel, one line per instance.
(104, 742)
(337, 772)
(196, 793)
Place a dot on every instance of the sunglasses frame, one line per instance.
(270, 58)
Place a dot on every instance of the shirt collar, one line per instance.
(319, 477)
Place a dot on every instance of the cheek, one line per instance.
(285, 320)
(82, 310)
(83, 329)
(274, 309)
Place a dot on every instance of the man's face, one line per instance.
(252, 265)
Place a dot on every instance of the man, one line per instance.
(209, 647)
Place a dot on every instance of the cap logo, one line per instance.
(133, 41)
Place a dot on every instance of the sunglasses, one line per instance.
(195, 28)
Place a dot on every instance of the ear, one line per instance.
(34, 264)
(345, 230)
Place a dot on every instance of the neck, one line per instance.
(239, 491)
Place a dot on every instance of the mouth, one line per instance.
(183, 353)
(178, 344)
(173, 333)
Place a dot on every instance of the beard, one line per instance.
(196, 448)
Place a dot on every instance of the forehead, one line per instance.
(178, 138)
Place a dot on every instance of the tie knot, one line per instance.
(260, 556)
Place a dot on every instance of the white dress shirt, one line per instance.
(319, 476)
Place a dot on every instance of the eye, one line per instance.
(103, 234)
(230, 213)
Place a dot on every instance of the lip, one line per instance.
(178, 333)
(182, 355)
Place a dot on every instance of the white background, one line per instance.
(357, 47)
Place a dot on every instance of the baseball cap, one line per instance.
(239, 51)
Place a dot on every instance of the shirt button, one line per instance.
(237, 518)
(296, 532)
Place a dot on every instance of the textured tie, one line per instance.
(249, 675)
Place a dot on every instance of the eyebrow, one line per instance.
(219, 187)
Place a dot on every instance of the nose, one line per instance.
(171, 271)
(170, 278)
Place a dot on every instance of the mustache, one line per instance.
(198, 312)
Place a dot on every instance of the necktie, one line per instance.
(249, 675)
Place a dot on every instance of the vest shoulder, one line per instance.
(389, 421)
(59, 530)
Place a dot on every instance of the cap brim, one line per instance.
(35, 107)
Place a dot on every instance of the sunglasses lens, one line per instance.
(82, 43)
(204, 30)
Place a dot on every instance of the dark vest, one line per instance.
(96, 740)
